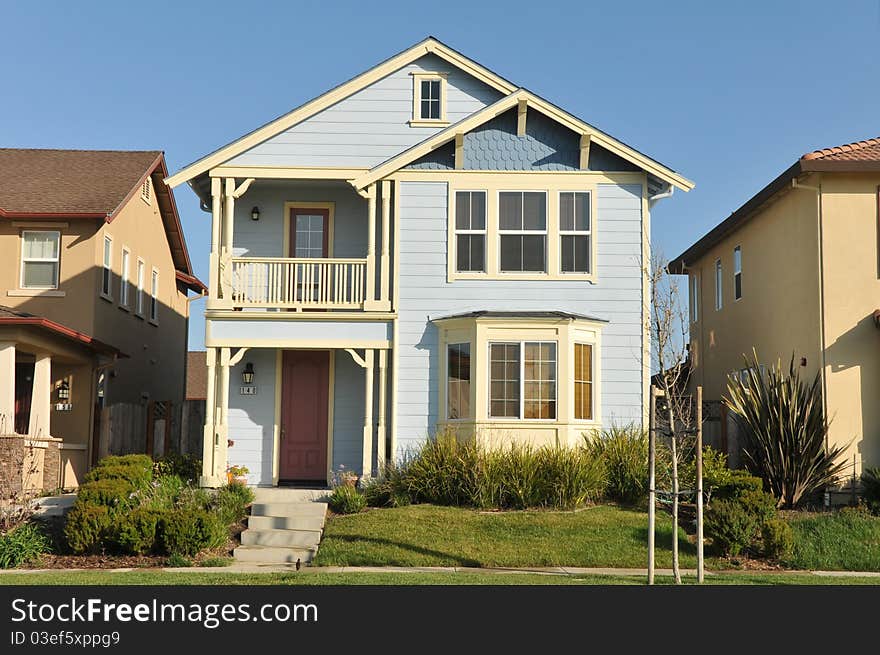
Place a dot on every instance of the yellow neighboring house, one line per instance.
(796, 271)
(94, 277)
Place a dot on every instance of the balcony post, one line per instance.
(383, 396)
(221, 429)
(226, 246)
(370, 302)
(384, 286)
(216, 210)
(41, 397)
(209, 438)
(367, 462)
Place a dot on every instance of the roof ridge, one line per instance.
(78, 150)
(836, 150)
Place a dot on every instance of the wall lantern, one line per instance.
(255, 213)
(64, 391)
(247, 375)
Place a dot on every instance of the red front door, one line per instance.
(304, 396)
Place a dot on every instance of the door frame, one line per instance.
(276, 440)
(329, 207)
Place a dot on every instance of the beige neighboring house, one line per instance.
(796, 271)
(94, 281)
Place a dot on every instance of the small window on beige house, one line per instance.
(139, 297)
(40, 259)
(107, 270)
(719, 280)
(154, 296)
(737, 273)
(123, 281)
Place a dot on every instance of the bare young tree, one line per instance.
(668, 330)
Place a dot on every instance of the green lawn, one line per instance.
(427, 535)
(321, 578)
(842, 541)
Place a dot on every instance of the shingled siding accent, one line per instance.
(371, 125)
(425, 294)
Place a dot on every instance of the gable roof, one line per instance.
(430, 45)
(548, 109)
(860, 156)
(51, 183)
(9, 316)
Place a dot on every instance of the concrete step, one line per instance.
(289, 509)
(283, 538)
(288, 495)
(273, 555)
(286, 522)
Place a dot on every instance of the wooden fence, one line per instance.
(154, 428)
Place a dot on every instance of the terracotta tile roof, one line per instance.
(867, 150)
(70, 181)
(196, 375)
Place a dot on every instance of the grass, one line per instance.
(428, 535)
(320, 578)
(842, 541)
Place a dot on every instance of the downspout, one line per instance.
(659, 196)
(819, 232)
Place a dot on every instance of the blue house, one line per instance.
(425, 247)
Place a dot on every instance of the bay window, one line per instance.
(458, 392)
(522, 383)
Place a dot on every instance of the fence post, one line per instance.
(699, 484)
(652, 456)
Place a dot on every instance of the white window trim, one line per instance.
(737, 272)
(418, 78)
(55, 260)
(586, 233)
(124, 279)
(593, 369)
(484, 231)
(719, 286)
(522, 382)
(695, 297)
(465, 419)
(140, 274)
(545, 232)
(105, 266)
(154, 296)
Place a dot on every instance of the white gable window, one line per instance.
(429, 99)
(39, 259)
(737, 273)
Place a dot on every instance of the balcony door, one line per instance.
(309, 233)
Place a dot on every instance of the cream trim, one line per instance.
(428, 46)
(296, 344)
(263, 315)
(52, 225)
(291, 204)
(417, 119)
(427, 123)
(330, 416)
(276, 434)
(35, 293)
(487, 113)
(291, 173)
(521, 115)
(483, 177)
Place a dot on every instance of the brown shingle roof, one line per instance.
(867, 150)
(70, 181)
(9, 316)
(196, 375)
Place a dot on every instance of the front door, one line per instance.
(304, 396)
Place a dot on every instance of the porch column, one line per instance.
(381, 432)
(7, 387)
(222, 427)
(41, 401)
(209, 441)
(216, 209)
(385, 278)
(370, 295)
(367, 464)
(226, 246)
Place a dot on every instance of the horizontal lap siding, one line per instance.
(348, 413)
(425, 294)
(371, 125)
(252, 418)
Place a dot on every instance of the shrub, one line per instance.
(444, 471)
(187, 467)
(135, 534)
(715, 472)
(624, 451)
(189, 531)
(778, 538)
(86, 527)
(346, 500)
(142, 461)
(731, 527)
(231, 503)
(871, 488)
(112, 493)
(163, 493)
(781, 422)
(136, 476)
(22, 545)
(178, 561)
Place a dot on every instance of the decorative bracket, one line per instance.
(236, 358)
(244, 186)
(360, 361)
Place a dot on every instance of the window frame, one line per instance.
(56, 260)
(719, 285)
(107, 268)
(574, 381)
(484, 232)
(521, 343)
(124, 278)
(428, 76)
(154, 296)
(694, 297)
(737, 273)
(576, 233)
(140, 275)
(545, 233)
(471, 381)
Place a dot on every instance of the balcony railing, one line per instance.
(298, 283)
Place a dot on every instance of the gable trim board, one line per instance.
(428, 46)
(508, 102)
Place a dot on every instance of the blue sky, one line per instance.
(728, 94)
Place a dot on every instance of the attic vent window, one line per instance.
(145, 191)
